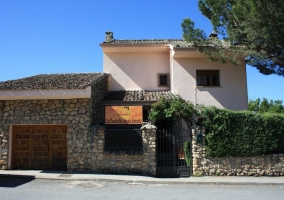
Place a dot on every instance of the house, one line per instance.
(140, 68)
(175, 66)
(93, 121)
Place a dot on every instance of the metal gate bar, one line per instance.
(171, 155)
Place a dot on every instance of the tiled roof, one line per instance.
(174, 42)
(137, 95)
(181, 43)
(53, 81)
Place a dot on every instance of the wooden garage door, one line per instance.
(39, 147)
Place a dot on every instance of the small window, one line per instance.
(207, 78)
(163, 80)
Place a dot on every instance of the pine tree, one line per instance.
(250, 29)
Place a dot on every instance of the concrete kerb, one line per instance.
(66, 176)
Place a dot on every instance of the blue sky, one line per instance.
(63, 36)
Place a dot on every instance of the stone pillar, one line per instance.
(3, 151)
(198, 151)
(95, 148)
(98, 156)
(149, 148)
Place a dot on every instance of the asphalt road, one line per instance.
(39, 189)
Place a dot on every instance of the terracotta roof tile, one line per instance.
(137, 95)
(53, 81)
(174, 42)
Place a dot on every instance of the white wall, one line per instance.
(231, 94)
(136, 70)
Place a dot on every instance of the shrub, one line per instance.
(242, 133)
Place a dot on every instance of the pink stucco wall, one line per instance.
(136, 70)
(231, 94)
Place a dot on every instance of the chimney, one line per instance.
(213, 35)
(109, 36)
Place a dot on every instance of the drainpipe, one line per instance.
(195, 96)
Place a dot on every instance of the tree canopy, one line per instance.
(250, 29)
(266, 106)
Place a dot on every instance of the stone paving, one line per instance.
(63, 175)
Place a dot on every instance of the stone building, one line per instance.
(58, 122)
(46, 120)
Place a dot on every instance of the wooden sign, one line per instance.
(123, 115)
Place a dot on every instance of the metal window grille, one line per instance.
(123, 139)
(163, 80)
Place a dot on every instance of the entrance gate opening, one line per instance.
(172, 154)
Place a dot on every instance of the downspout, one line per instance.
(195, 96)
(171, 68)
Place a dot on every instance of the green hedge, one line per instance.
(242, 133)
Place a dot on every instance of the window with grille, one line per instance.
(123, 139)
(163, 80)
(207, 78)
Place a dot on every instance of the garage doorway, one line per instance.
(39, 147)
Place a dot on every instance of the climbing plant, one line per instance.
(175, 108)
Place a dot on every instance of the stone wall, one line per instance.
(3, 151)
(75, 113)
(85, 145)
(268, 165)
(122, 162)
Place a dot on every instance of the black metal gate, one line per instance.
(172, 154)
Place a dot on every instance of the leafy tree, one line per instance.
(276, 106)
(253, 105)
(266, 106)
(176, 108)
(251, 29)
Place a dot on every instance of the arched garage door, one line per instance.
(39, 147)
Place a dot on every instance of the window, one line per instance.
(121, 139)
(207, 78)
(163, 80)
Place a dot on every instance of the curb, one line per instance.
(139, 182)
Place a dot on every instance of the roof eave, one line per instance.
(128, 103)
(184, 48)
(45, 94)
(132, 45)
(187, 52)
(135, 47)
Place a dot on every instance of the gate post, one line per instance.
(198, 151)
(149, 147)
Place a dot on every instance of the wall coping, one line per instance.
(148, 126)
